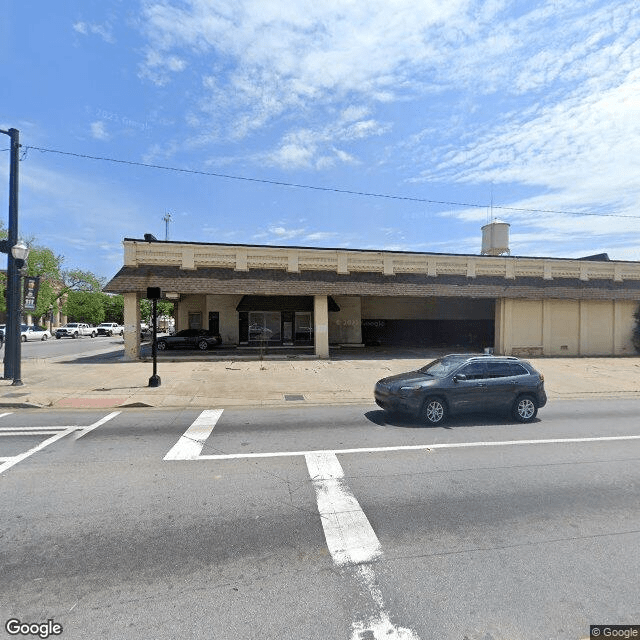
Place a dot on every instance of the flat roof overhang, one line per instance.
(269, 282)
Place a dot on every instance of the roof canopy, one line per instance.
(281, 303)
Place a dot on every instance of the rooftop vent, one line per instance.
(598, 257)
(149, 237)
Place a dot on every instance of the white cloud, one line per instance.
(99, 130)
(281, 233)
(271, 56)
(286, 234)
(102, 30)
(307, 148)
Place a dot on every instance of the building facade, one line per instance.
(306, 297)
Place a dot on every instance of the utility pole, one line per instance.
(12, 333)
(167, 220)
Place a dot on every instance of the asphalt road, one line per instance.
(52, 348)
(321, 523)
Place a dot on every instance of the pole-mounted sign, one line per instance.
(31, 287)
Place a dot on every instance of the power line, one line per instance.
(326, 189)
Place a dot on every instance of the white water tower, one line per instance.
(495, 238)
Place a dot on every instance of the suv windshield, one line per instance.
(442, 367)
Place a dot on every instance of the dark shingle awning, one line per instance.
(281, 303)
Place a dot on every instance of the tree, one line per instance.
(84, 306)
(113, 308)
(44, 263)
(163, 308)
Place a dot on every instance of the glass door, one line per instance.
(304, 327)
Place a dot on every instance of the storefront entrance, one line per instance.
(277, 320)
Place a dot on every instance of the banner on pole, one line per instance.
(31, 286)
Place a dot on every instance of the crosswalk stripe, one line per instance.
(95, 425)
(7, 464)
(192, 440)
(350, 537)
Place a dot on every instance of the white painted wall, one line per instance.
(226, 307)
(345, 326)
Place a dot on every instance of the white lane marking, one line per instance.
(19, 458)
(2, 415)
(28, 429)
(192, 440)
(350, 537)
(95, 425)
(351, 540)
(377, 626)
(415, 447)
(4, 459)
(31, 432)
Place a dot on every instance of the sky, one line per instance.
(373, 124)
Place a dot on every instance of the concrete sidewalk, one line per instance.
(100, 379)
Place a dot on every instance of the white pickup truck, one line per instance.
(75, 330)
(110, 329)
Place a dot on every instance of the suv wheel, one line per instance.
(161, 345)
(203, 345)
(434, 411)
(525, 409)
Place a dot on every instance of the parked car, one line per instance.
(27, 332)
(189, 338)
(465, 384)
(110, 329)
(75, 330)
(34, 332)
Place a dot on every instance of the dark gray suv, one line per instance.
(465, 384)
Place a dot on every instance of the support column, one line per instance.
(498, 324)
(546, 328)
(321, 325)
(131, 326)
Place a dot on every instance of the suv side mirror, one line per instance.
(459, 376)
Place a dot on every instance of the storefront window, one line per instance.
(264, 326)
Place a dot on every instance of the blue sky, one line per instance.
(534, 105)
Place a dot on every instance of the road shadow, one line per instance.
(100, 358)
(400, 421)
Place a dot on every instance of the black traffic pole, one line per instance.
(154, 293)
(12, 334)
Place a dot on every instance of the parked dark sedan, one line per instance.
(465, 384)
(189, 338)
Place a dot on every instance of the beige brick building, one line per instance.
(299, 296)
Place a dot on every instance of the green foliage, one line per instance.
(44, 263)
(55, 282)
(635, 338)
(164, 308)
(84, 306)
(113, 308)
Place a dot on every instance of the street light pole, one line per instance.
(12, 334)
